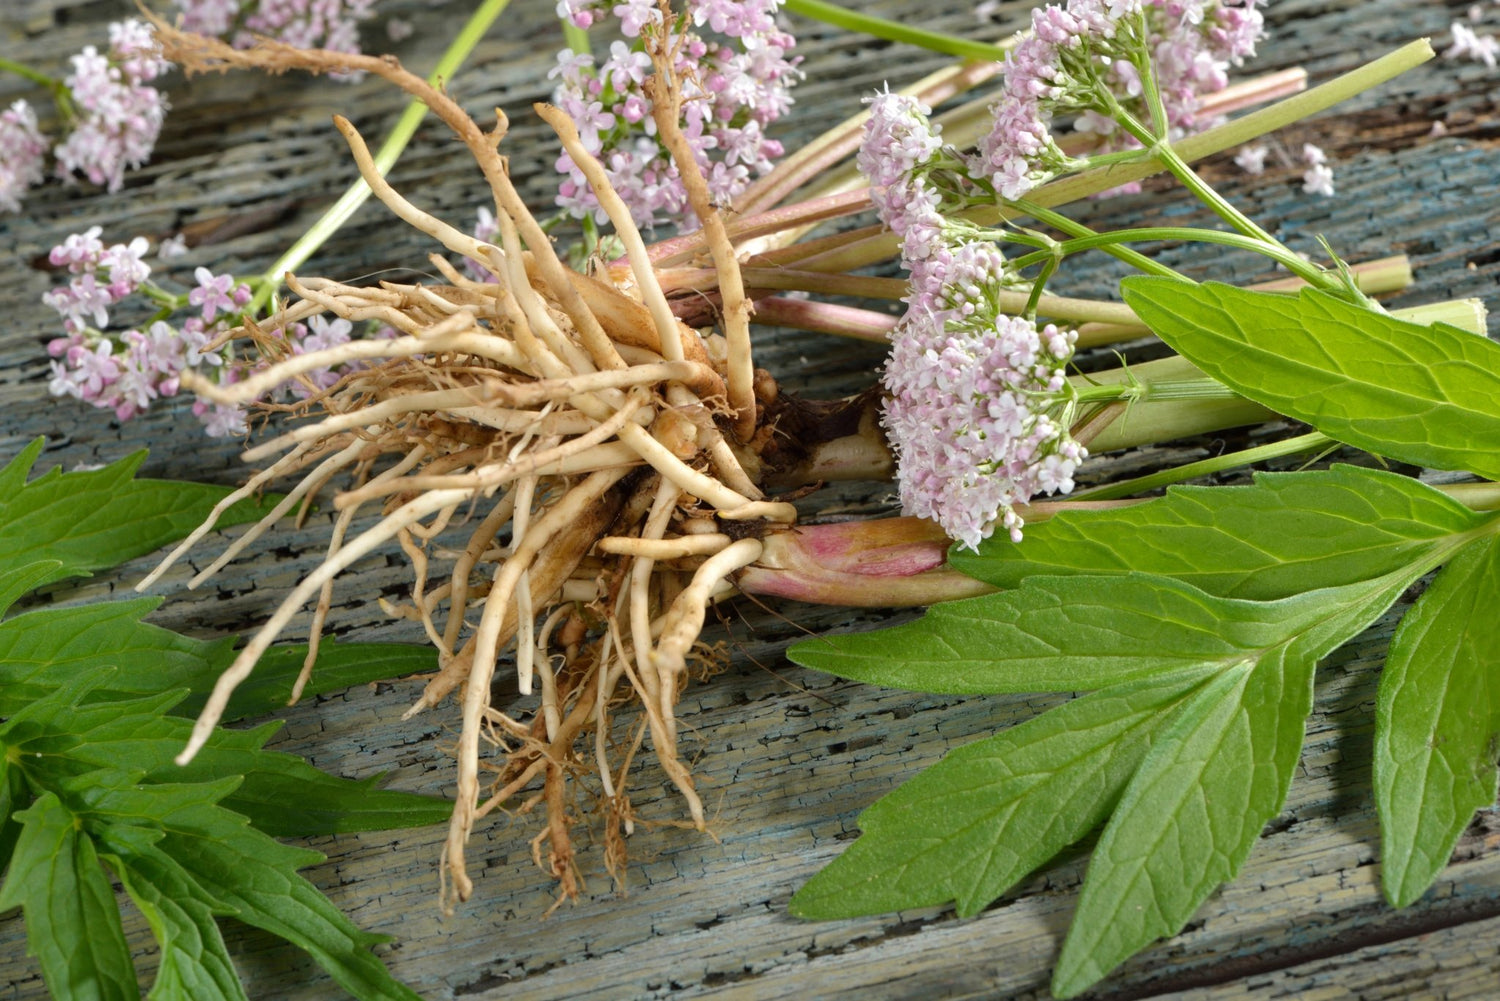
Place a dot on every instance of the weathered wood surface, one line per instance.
(786, 758)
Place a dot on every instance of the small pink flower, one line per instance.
(212, 293)
(734, 87)
(1252, 159)
(23, 153)
(977, 397)
(1318, 180)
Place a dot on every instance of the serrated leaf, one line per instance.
(1420, 394)
(44, 649)
(99, 518)
(85, 698)
(1287, 533)
(1437, 722)
(72, 923)
(251, 874)
(1210, 782)
(18, 580)
(194, 964)
(281, 794)
(970, 826)
(1063, 634)
(14, 797)
(339, 666)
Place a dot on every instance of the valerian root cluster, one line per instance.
(606, 456)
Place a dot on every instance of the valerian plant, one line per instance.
(1196, 621)
(622, 457)
(91, 714)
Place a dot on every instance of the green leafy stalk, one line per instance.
(1424, 395)
(1201, 671)
(1202, 697)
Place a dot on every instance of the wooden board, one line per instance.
(786, 758)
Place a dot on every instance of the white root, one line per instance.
(405, 403)
(454, 240)
(667, 327)
(327, 468)
(325, 597)
(685, 618)
(482, 345)
(583, 453)
(477, 693)
(260, 479)
(243, 664)
(662, 549)
(599, 421)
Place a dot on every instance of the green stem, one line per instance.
(860, 248)
(385, 157)
(1162, 150)
(1063, 224)
(895, 31)
(169, 301)
(577, 38)
(35, 76)
(61, 95)
(1205, 467)
(1154, 420)
(1302, 269)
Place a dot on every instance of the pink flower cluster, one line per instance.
(1090, 57)
(977, 398)
(736, 81)
(113, 117)
(307, 24)
(118, 115)
(975, 411)
(1193, 43)
(23, 154)
(900, 150)
(126, 371)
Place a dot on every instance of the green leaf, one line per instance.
(17, 581)
(1437, 722)
(72, 922)
(42, 649)
(194, 963)
(1062, 634)
(339, 666)
(1424, 395)
(96, 519)
(47, 648)
(87, 738)
(1288, 533)
(973, 824)
(245, 873)
(1189, 817)
(1201, 773)
(281, 794)
(1210, 782)
(14, 797)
